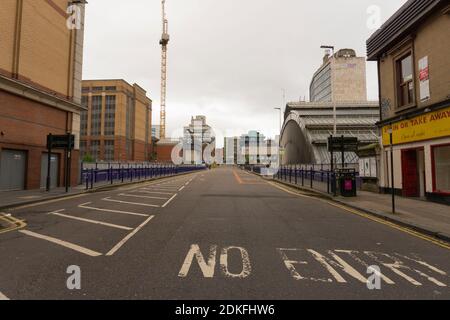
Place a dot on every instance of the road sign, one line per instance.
(66, 141)
(345, 144)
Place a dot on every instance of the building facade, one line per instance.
(342, 77)
(197, 136)
(40, 89)
(308, 125)
(412, 50)
(156, 131)
(116, 125)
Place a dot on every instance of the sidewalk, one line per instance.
(11, 199)
(423, 216)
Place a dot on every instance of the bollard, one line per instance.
(303, 177)
(328, 182)
(85, 173)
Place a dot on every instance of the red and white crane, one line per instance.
(164, 42)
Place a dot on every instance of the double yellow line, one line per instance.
(414, 233)
(14, 224)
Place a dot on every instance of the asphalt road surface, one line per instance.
(218, 234)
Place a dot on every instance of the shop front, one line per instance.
(421, 149)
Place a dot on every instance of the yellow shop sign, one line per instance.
(428, 126)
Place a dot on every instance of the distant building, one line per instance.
(342, 77)
(412, 50)
(250, 148)
(156, 131)
(196, 137)
(40, 91)
(308, 125)
(117, 123)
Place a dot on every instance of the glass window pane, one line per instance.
(406, 64)
(442, 168)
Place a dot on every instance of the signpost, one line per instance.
(66, 142)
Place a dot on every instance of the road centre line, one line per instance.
(3, 297)
(62, 243)
(128, 237)
(90, 221)
(135, 203)
(367, 216)
(139, 196)
(182, 188)
(84, 206)
(168, 201)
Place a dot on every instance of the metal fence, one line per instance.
(110, 173)
(317, 177)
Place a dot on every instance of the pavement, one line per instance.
(420, 215)
(217, 234)
(11, 199)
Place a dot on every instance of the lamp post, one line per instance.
(279, 139)
(392, 169)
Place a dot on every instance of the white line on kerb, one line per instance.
(168, 201)
(85, 206)
(91, 221)
(128, 237)
(135, 203)
(62, 243)
(3, 297)
(139, 196)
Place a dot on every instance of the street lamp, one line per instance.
(279, 139)
(390, 131)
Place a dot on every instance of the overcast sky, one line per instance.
(229, 60)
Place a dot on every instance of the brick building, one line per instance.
(413, 53)
(40, 89)
(117, 123)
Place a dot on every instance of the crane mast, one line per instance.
(163, 42)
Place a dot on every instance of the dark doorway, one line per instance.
(412, 167)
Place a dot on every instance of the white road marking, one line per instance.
(182, 188)
(3, 297)
(246, 266)
(155, 192)
(168, 201)
(62, 243)
(206, 267)
(139, 196)
(60, 210)
(84, 206)
(128, 237)
(91, 221)
(161, 188)
(134, 203)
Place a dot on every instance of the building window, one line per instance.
(109, 150)
(97, 89)
(84, 117)
(82, 148)
(95, 149)
(441, 156)
(110, 115)
(85, 89)
(129, 127)
(110, 88)
(96, 115)
(405, 81)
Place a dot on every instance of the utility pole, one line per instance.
(333, 98)
(164, 42)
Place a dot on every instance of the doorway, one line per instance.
(13, 165)
(413, 172)
(54, 170)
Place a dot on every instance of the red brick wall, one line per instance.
(164, 153)
(25, 125)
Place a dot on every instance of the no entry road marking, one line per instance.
(85, 206)
(128, 237)
(62, 243)
(134, 203)
(90, 221)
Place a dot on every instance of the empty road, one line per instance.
(218, 234)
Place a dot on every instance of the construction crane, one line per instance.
(164, 42)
